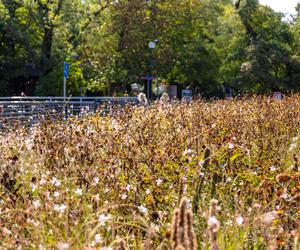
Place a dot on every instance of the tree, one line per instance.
(269, 48)
(230, 43)
(205, 44)
(293, 68)
(38, 36)
(188, 50)
(17, 46)
(78, 21)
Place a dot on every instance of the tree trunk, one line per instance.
(45, 61)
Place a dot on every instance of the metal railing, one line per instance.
(29, 109)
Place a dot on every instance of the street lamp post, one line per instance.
(151, 45)
(66, 74)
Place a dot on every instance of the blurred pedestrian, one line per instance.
(143, 99)
(164, 99)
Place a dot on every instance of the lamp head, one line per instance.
(151, 45)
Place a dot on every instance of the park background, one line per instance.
(217, 174)
(211, 46)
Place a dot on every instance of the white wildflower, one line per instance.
(154, 227)
(78, 191)
(284, 196)
(124, 196)
(229, 223)
(200, 163)
(33, 222)
(230, 145)
(188, 152)
(29, 143)
(212, 220)
(269, 217)
(55, 182)
(98, 238)
(6, 231)
(104, 218)
(43, 182)
(239, 220)
(128, 187)
(41, 247)
(158, 182)
(59, 208)
(115, 125)
(292, 146)
(229, 179)
(63, 245)
(143, 209)
(96, 180)
(257, 205)
(148, 191)
(213, 224)
(36, 204)
(97, 197)
(33, 187)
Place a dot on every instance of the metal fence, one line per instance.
(29, 109)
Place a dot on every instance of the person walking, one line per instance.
(164, 99)
(143, 99)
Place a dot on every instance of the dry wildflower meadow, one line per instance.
(222, 174)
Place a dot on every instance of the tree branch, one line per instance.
(237, 4)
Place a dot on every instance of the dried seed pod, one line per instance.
(180, 247)
(182, 221)
(213, 225)
(175, 229)
(121, 245)
(191, 238)
(183, 236)
(148, 243)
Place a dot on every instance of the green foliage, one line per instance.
(269, 49)
(202, 44)
(293, 68)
